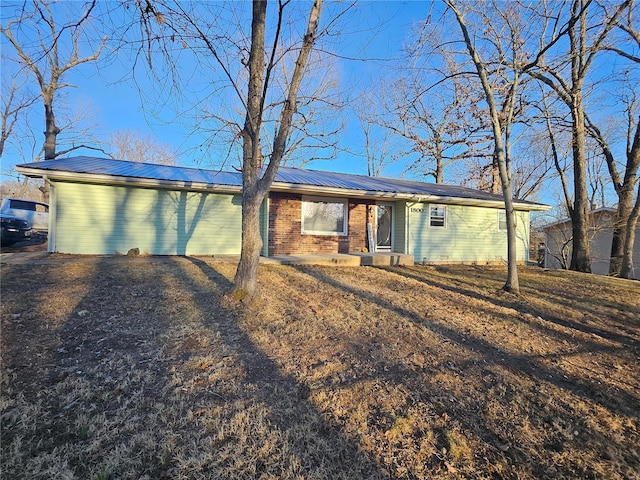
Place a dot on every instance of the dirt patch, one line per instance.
(140, 368)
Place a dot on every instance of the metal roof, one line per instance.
(287, 178)
(378, 184)
(126, 169)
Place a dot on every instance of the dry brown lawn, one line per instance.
(139, 368)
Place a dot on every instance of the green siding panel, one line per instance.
(400, 234)
(101, 219)
(471, 235)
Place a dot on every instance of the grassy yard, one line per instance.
(139, 368)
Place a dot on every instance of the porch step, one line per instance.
(342, 259)
(384, 259)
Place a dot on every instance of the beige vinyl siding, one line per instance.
(559, 246)
(471, 234)
(102, 219)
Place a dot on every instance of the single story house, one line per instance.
(105, 206)
(558, 243)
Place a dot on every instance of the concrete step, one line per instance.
(343, 259)
(384, 259)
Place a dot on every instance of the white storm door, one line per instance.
(384, 227)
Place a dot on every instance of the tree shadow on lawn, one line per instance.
(520, 306)
(321, 445)
(125, 387)
(526, 313)
(76, 395)
(621, 402)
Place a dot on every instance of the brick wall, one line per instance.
(285, 228)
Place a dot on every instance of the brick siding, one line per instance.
(285, 228)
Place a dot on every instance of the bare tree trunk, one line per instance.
(51, 130)
(580, 255)
(246, 278)
(512, 283)
(625, 188)
(626, 269)
(496, 184)
(620, 225)
(256, 178)
(439, 173)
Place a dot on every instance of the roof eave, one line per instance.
(418, 198)
(126, 181)
(106, 179)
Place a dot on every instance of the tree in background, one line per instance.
(48, 47)
(623, 173)
(138, 147)
(15, 101)
(378, 148)
(441, 126)
(565, 71)
(20, 189)
(435, 114)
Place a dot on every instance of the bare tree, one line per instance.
(43, 56)
(623, 182)
(586, 30)
(256, 185)
(379, 150)
(435, 112)
(251, 66)
(139, 147)
(15, 100)
(500, 76)
(21, 189)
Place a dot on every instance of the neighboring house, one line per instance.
(559, 240)
(103, 206)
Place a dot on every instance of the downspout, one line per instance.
(265, 226)
(407, 241)
(53, 200)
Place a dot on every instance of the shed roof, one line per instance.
(105, 170)
(593, 213)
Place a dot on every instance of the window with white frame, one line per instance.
(438, 216)
(502, 220)
(323, 216)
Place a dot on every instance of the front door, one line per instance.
(384, 227)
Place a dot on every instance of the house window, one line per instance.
(324, 216)
(438, 216)
(502, 220)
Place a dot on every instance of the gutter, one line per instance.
(53, 209)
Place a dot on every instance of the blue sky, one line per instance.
(372, 36)
(381, 29)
